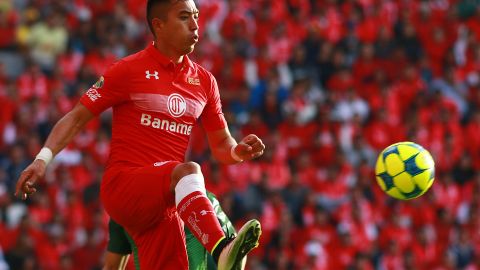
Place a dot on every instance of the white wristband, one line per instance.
(45, 154)
(234, 155)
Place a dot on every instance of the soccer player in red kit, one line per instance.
(157, 95)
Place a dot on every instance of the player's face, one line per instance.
(180, 30)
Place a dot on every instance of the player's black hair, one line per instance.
(151, 4)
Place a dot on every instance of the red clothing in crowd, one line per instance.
(33, 84)
(396, 87)
(297, 137)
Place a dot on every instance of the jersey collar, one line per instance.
(163, 60)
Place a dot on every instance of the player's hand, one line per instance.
(250, 147)
(26, 182)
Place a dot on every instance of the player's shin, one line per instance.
(197, 212)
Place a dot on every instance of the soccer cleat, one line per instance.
(243, 262)
(233, 255)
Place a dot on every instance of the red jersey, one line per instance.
(155, 106)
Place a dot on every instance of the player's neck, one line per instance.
(170, 54)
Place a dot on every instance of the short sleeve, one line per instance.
(109, 90)
(212, 117)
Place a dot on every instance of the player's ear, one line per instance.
(157, 24)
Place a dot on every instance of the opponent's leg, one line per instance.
(193, 205)
(198, 257)
(199, 216)
(118, 247)
(197, 254)
(227, 227)
(225, 222)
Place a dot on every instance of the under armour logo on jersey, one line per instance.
(150, 75)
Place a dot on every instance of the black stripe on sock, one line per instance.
(216, 252)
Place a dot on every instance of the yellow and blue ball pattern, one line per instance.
(405, 170)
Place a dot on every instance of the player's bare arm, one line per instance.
(226, 150)
(62, 134)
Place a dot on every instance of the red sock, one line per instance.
(198, 214)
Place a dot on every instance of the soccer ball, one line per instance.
(405, 170)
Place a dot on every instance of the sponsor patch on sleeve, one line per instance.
(93, 94)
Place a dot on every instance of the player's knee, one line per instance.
(184, 169)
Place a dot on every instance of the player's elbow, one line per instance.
(80, 115)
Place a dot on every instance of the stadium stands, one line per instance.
(326, 84)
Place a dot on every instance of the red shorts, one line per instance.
(140, 200)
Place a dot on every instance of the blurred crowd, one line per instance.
(327, 84)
